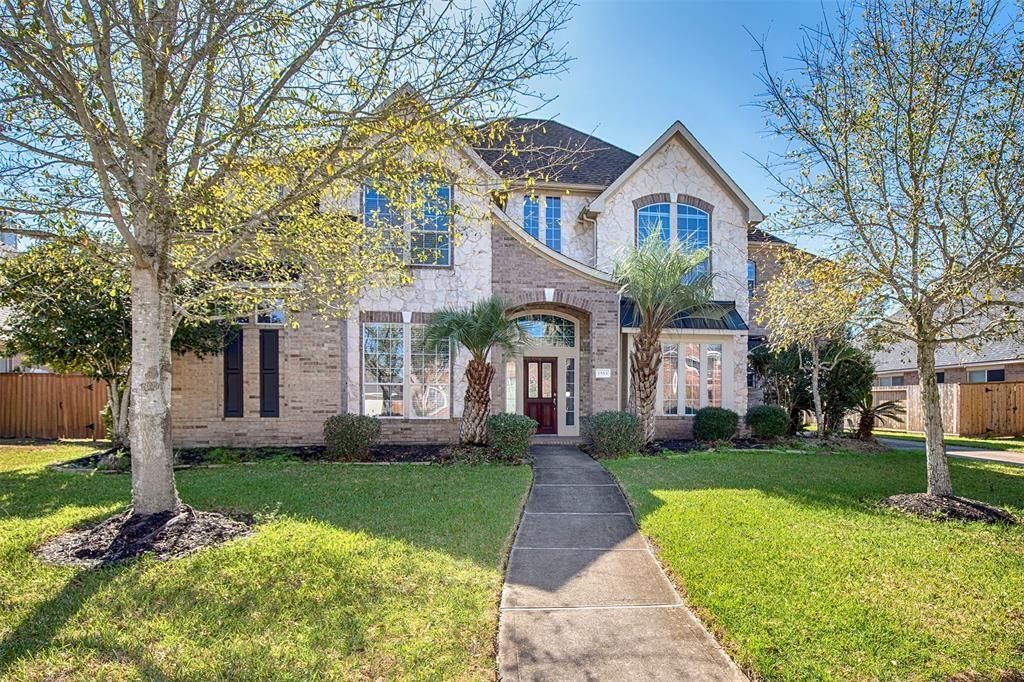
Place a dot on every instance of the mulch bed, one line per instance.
(937, 508)
(123, 537)
(204, 457)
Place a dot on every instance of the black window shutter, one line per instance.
(233, 376)
(269, 392)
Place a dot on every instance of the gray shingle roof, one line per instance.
(566, 154)
(903, 356)
(757, 235)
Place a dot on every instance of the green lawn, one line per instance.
(375, 572)
(1007, 443)
(788, 559)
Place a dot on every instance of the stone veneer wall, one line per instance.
(675, 170)
(577, 235)
(310, 374)
(521, 276)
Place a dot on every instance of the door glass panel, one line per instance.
(570, 392)
(510, 386)
(546, 390)
(533, 381)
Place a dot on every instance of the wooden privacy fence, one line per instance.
(51, 406)
(967, 409)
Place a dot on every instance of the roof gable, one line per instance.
(678, 131)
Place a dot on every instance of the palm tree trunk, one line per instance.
(479, 374)
(645, 362)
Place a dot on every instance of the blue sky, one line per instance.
(639, 66)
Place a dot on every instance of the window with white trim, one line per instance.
(531, 216)
(687, 226)
(690, 378)
(422, 238)
(891, 380)
(402, 375)
(751, 278)
(553, 223)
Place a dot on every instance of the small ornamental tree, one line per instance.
(660, 280)
(478, 328)
(69, 308)
(904, 129)
(223, 144)
(810, 304)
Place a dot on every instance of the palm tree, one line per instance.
(868, 414)
(663, 281)
(478, 329)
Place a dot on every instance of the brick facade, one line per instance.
(522, 276)
(310, 363)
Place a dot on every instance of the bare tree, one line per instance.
(211, 135)
(904, 129)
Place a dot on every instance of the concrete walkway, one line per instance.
(584, 597)
(982, 455)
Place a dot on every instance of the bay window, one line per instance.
(402, 375)
(690, 378)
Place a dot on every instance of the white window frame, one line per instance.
(890, 377)
(702, 386)
(541, 201)
(407, 386)
(673, 224)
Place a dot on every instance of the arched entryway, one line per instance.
(544, 381)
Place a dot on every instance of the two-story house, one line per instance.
(549, 251)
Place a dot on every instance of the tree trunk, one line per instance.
(865, 427)
(478, 403)
(939, 482)
(122, 413)
(114, 402)
(644, 364)
(819, 416)
(153, 489)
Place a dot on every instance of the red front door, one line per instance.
(541, 402)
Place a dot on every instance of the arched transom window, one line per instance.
(549, 330)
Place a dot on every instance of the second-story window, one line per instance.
(693, 232)
(553, 222)
(751, 278)
(653, 221)
(687, 226)
(420, 239)
(531, 216)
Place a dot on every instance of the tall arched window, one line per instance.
(654, 221)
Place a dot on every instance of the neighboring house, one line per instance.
(8, 247)
(550, 253)
(994, 361)
(763, 254)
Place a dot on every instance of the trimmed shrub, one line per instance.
(767, 421)
(508, 437)
(349, 437)
(715, 423)
(614, 434)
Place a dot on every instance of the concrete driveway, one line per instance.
(959, 451)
